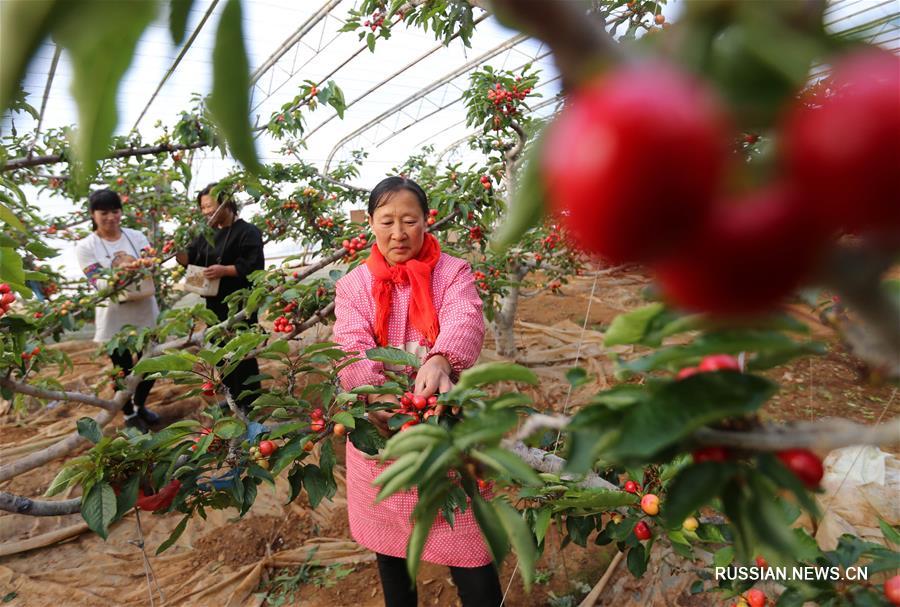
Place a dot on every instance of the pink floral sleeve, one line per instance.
(353, 332)
(462, 324)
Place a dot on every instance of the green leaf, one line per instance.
(89, 429)
(692, 488)
(511, 465)
(393, 356)
(24, 25)
(99, 61)
(772, 467)
(527, 206)
(890, 533)
(630, 328)
(163, 364)
(98, 508)
(229, 102)
(577, 377)
(520, 537)
(593, 499)
(637, 563)
(416, 543)
(127, 497)
(366, 437)
(11, 270)
(62, 480)
(173, 537)
(493, 372)
(723, 556)
(491, 527)
(680, 408)
(315, 483)
(178, 16)
(345, 418)
(9, 218)
(542, 523)
(229, 428)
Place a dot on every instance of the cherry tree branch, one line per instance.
(18, 504)
(822, 435)
(30, 161)
(576, 40)
(72, 441)
(23, 388)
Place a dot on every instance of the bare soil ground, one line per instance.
(834, 385)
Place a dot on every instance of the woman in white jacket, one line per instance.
(97, 252)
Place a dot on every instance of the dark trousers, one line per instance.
(477, 586)
(125, 361)
(236, 381)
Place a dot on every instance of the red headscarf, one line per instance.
(417, 273)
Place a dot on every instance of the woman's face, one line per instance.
(108, 221)
(208, 206)
(399, 227)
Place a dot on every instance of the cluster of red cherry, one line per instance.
(419, 407)
(7, 297)
(283, 324)
(375, 21)
(355, 244)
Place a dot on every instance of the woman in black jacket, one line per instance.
(237, 251)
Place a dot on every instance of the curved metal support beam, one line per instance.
(412, 63)
(462, 140)
(174, 66)
(292, 40)
(515, 40)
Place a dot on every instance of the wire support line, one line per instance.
(47, 87)
(174, 66)
(505, 46)
(374, 88)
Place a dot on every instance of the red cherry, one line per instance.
(642, 531)
(632, 487)
(267, 448)
(750, 254)
(598, 151)
(419, 402)
(209, 389)
(317, 425)
(719, 362)
(755, 597)
(710, 454)
(843, 151)
(317, 413)
(805, 464)
(892, 590)
(409, 425)
(762, 563)
(687, 372)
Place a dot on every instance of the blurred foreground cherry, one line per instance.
(634, 161)
(751, 253)
(842, 149)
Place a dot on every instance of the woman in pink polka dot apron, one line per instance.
(411, 296)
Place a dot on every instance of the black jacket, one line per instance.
(239, 245)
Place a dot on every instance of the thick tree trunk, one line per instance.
(503, 324)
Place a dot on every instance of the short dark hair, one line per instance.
(381, 193)
(103, 200)
(221, 198)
